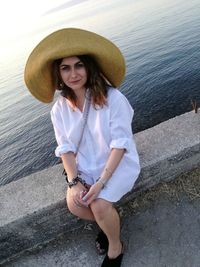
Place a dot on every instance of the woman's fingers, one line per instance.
(93, 197)
(90, 196)
(86, 198)
(79, 203)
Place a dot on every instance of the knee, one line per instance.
(72, 207)
(100, 208)
(79, 211)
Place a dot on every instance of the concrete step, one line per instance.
(33, 209)
(159, 228)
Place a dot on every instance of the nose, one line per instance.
(73, 73)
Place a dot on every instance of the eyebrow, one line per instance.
(63, 65)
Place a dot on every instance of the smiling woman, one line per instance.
(92, 125)
(159, 40)
(73, 73)
(77, 72)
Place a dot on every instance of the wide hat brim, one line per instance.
(71, 42)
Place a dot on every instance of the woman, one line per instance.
(92, 123)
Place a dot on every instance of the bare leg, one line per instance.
(81, 212)
(108, 220)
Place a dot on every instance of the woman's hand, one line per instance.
(92, 193)
(77, 192)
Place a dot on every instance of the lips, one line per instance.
(75, 81)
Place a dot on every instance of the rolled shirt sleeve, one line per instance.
(64, 144)
(121, 116)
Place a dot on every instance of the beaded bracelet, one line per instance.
(75, 180)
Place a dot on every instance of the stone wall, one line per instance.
(33, 209)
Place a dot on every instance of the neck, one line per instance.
(80, 94)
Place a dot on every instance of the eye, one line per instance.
(65, 67)
(80, 65)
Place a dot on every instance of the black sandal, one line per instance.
(101, 243)
(116, 262)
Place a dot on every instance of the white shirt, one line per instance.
(106, 128)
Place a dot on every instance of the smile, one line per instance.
(75, 81)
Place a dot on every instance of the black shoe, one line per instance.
(116, 262)
(101, 243)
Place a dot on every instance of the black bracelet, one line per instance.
(74, 181)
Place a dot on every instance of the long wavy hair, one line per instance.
(96, 82)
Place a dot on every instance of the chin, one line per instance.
(76, 88)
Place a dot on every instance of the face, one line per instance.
(73, 73)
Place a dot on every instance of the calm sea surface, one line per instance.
(161, 44)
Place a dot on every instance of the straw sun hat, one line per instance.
(65, 43)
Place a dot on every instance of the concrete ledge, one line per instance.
(33, 209)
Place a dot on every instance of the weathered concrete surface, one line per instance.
(164, 231)
(33, 209)
(168, 149)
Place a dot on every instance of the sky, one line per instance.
(23, 19)
(24, 23)
(19, 17)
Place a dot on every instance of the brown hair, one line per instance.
(96, 82)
